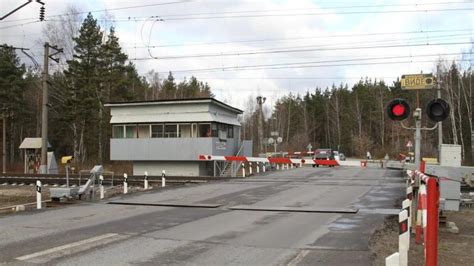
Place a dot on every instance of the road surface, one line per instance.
(305, 216)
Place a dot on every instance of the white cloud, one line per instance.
(236, 86)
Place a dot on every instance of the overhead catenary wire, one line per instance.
(306, 63)
(249, 11)
(295, 50)
(331, 36)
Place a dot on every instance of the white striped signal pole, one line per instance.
(145, 182)
(406, 205)
(101, 186)
(125, 184)
(38, 194)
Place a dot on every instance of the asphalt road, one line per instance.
(307, 216)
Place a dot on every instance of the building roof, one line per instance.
(175, 101)
(32, 143)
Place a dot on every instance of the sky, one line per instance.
(245, 48)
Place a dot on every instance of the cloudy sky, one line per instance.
(245, 48)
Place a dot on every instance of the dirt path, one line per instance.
(13, 195)
(453, 249)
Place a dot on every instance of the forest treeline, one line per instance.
(96, 71)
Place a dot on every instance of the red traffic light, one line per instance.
(398, 109)
(438, 110)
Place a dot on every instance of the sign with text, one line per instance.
(417, 81)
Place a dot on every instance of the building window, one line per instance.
(118, 132)
(230, 132)
(185, 130)
(144, 131)
(214, 130)
(130, 131)
(157, 131)
(204, 130)
(194, 130)
(222, 133)
(171, 131)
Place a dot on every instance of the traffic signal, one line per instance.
(398, 109)
(437, 110)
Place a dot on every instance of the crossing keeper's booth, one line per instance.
(171, 134)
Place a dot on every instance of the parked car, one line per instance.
(323, 154)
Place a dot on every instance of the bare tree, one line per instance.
(61, 30)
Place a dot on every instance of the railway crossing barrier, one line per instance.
(278, 163)
(426, 217)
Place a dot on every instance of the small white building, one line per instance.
(171, 134)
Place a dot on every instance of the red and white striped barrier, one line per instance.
(287, 162)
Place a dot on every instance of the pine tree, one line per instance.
(85, 90)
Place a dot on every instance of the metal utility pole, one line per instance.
(4, 146)
(440, 124)
(44, 114)
(260, 100)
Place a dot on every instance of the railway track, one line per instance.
(28, 179)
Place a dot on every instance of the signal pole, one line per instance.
(4, 145)
(44, 113)
(260, 100)
(440, 124)
(417, 115)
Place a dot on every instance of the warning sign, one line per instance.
(417, 82)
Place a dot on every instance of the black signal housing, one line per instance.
(437, 110)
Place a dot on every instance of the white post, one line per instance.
(392, 260)
(125, 184)
(291, 165)
(264, 167)
(258, 167)
(287, 166)
(278, 167)
(38, 194)
(243, 170)
(163, 179)
(145, 182)
(101, 186)
(403, 237)
(250, 168)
